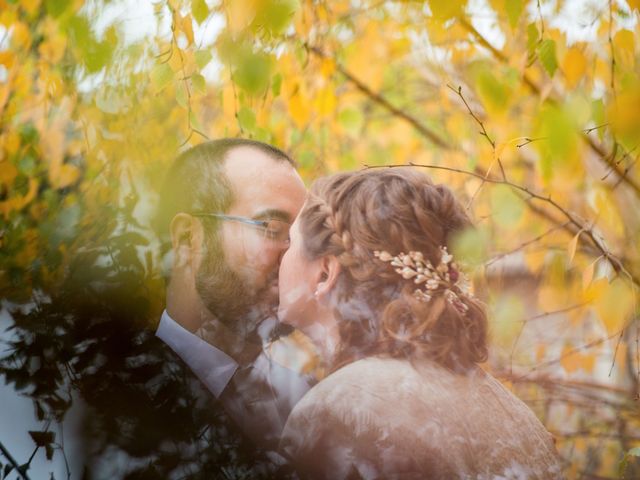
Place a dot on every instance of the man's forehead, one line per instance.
(261, 182)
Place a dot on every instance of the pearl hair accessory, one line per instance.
(444, 277)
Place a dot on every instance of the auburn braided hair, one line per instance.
(351, 215)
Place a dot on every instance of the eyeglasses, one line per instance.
(274, 230)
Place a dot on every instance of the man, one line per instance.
(225, 214)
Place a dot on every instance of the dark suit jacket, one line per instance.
(150, 417)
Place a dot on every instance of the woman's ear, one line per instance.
(330, 270)
(186, 239)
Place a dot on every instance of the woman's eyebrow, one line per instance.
(273, 213)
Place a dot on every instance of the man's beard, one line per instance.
(238, 305)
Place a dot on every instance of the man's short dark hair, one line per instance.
(196, 181)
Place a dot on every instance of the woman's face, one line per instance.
(298, 280)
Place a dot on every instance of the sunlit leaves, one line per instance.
(557, 141)
(275, 15)
(247, 119)
(514, 10)
(574, 66)
(624, 114)
(161, 75)
(624, 45)
(613, 302)
(200, 10)
(470, 247)
(202, 58)
(493, 89)
(94, 53)
(573, 360)
(547, 55)
(506, 207)
(507, 317)
(445, 9)
(351, 120)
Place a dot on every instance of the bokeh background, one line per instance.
(529, 110)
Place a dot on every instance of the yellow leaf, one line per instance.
(19, 202)
(588, 362)
(67, 175)
(30, 6)
(624, 47)
(20, 37)
(574, 66)
(299, 110)
(239, 14)
(327, 67)
(8, 172)
(587, 275)
(11, 142)
(608, 212)
(535, 260)
(573, 245)
(52, 49)
(634, 4)
(570, 360)
(614, 305)
(624, 113)
(7, 58)
(186, 26)
(325, 102)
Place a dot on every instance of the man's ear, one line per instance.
(186, 238)
(330, 270)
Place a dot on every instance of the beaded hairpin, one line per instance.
(444, 277)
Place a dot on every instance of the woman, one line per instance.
(369, 278)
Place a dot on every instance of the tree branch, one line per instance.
(434, 137)
(578, 225)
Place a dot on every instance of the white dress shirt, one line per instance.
(212, 366)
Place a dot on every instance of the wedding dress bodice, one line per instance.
(388, 418)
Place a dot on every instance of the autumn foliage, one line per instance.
(530, 110)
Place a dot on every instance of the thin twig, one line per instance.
(13, 462)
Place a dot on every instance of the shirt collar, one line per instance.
(210, 364)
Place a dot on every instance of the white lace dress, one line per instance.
(386, 418)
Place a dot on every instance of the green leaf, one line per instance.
(252, 73)
(506, 313)
(181, 96)
(351, 120)
(203, 57)
(547, 55)
(263, 135)
(55, 8)
(470, 246)
(194, 122)
(445, 9)
(276, 15)
(199, 10)
(161, 75)
(276, 84)
(199, 83)
(492, 91)
(246, 119)
(532, 37)
(514, 10)
(506, 206)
